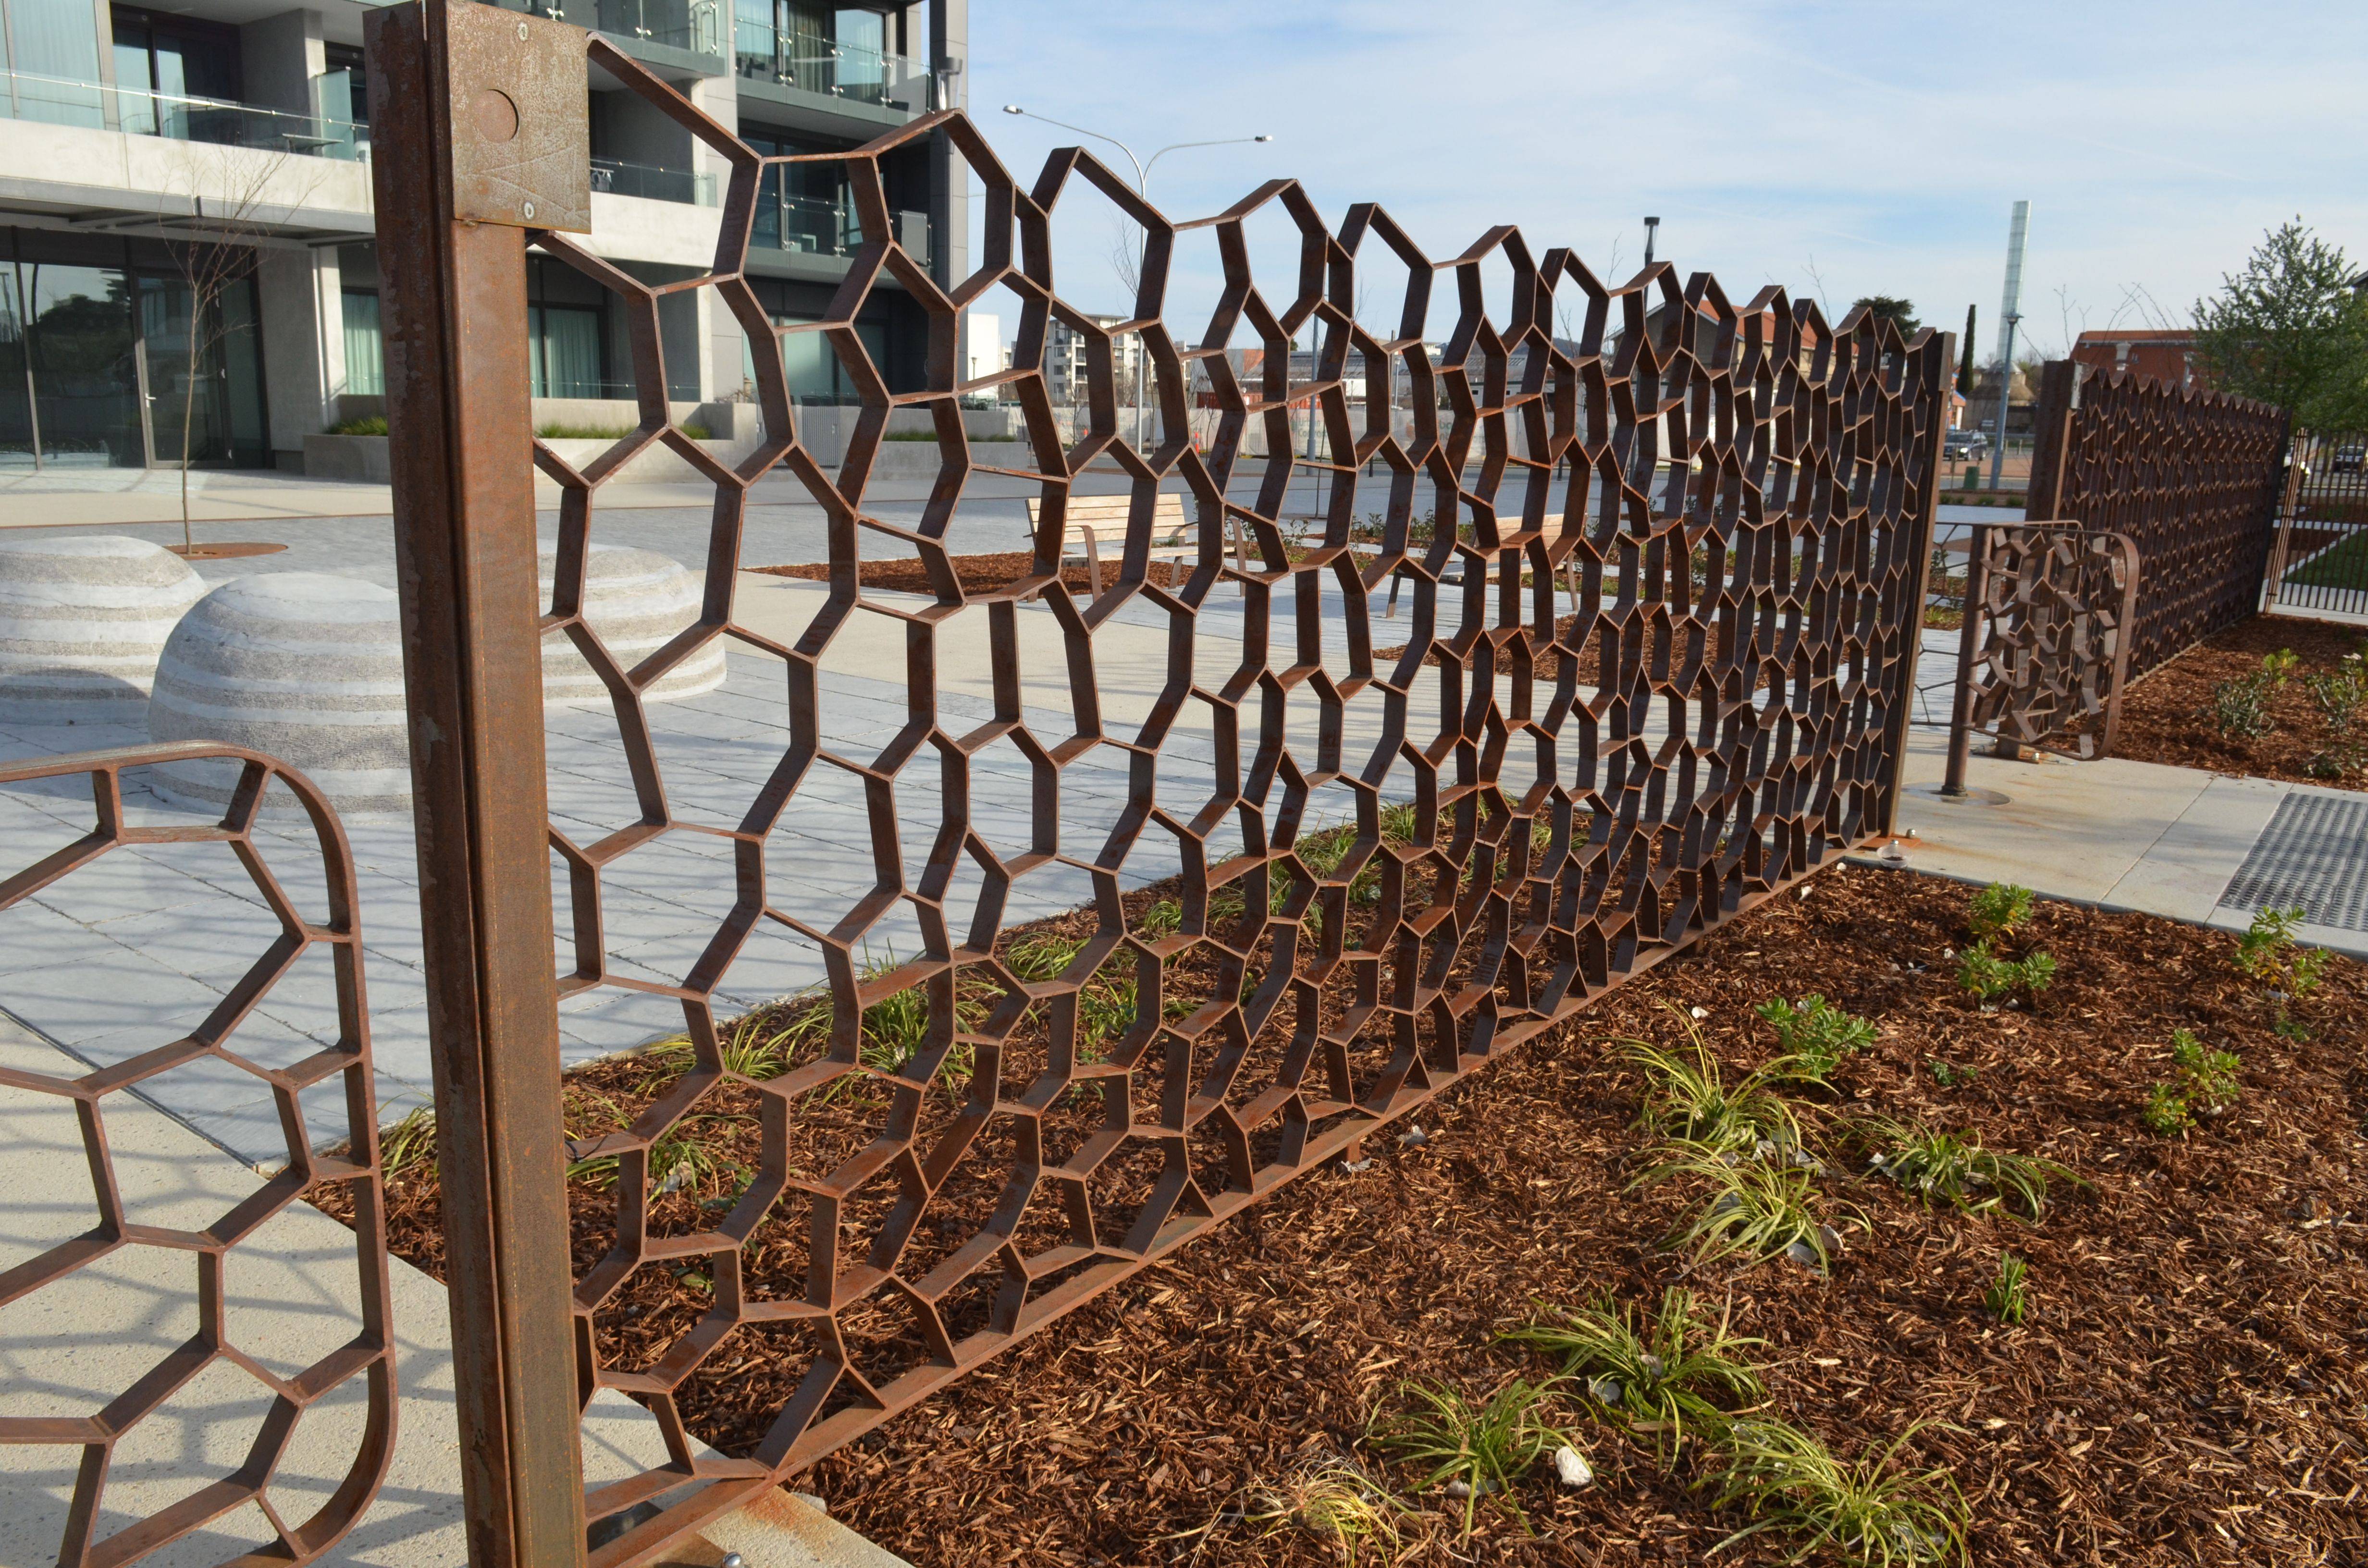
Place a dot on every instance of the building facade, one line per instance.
(186, 260)
(2163, 356)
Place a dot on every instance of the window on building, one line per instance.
(802, 207)
(162, 64)
(566, 351)
(365, 349)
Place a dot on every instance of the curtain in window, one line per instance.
(56, 43)
(566, 360)
(365, 351)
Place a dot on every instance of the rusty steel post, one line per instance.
(1961, 734)
(481, 131)
(1935, 471)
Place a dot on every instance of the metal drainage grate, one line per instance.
(2315, 854)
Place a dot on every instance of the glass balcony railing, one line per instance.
(811, 226)
(840, 71)
(695, 27)
(215, 121)
(619, 177)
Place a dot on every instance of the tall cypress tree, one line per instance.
(1965, 360)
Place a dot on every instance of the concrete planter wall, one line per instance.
(304, 666)
(82, 621)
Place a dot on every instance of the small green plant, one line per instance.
(2006, 1299)
(1869, 1512)
(2279, 667)
(1691, 1101)
(2269, 955)
(1948, 1074)
(1991, 978)
(1756, 1210)
(679, 1161)
(1956, 1169)
(1998, 909)
(2205, 1085)
(1042, 958)
(2338, 694)
(1659, 1376)
(367, 424)
(411, 1142)
(1814, 1036)
(2240, 708)
(1488, 1447)
(753, 1048)
(1163, 918)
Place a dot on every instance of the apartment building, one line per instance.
(217, 155)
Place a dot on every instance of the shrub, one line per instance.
(1997, 910)
(2166, 1114)
(1487, 1446)
(1955, 1169)
(1814, 1036)
(2005, 1297)
(2206, 1083)
(1867, 1512)
(2267, 954)
(2279, 667)
(2337, 695)
(1990, 977)
(1660, 1375)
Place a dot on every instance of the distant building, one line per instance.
(982, 341)
(1065, 360)
(2163, 356)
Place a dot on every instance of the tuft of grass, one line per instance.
(1332, 1501)
(1042, 958)
(1487, 1446)
(411, 1142)
(678, 1160)
(1869, 1512)
(1164, 918)
(1814, 1037)
(1957, 1169)
(367, 424)
(2006, 1298)
(1988, 977)
(1659, 1376)
(1755, 1209)
(2287, 971)
(1998, 909)
(1690, 1099)
(756, 1046)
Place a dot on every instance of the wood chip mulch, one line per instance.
(979, 574)
(2191, 1386)
(2167, 714)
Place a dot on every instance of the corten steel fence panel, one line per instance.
(2321, 562)
(2191, 478)
(2043, 653)
(219, 1338)
(1744, 496)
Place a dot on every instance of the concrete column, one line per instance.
(303, 344)
(278, 58)
(723, 359)
(949, 172)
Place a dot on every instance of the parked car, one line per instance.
(1974, 444)
(2347, 459)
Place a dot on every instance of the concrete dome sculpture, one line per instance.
(635, 600)
(306, 666)
(83, 620)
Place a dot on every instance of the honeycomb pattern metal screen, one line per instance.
(2191, 478)
(1658, 648)
(288, 1521)
(2054, 615)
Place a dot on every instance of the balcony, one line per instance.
(218, 122)
(688, 27)
(846, 72)
(617, 178)
(804, 226)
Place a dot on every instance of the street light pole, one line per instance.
(1143, 167)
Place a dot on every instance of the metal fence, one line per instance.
(2191, 478)
(2321, 560)
(1741, 494)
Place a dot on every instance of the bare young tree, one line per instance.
(229, 189)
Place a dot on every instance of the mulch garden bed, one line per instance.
(2167, 715)
(2190, 1386)
(979, 574)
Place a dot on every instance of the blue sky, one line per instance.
(1839, 149)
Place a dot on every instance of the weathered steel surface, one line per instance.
(515, 114)
(458, 429)
(2048, 614)
(247, 1489)
(1749, 499)
(2191, 478)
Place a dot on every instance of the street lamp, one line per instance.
(1143, 167)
